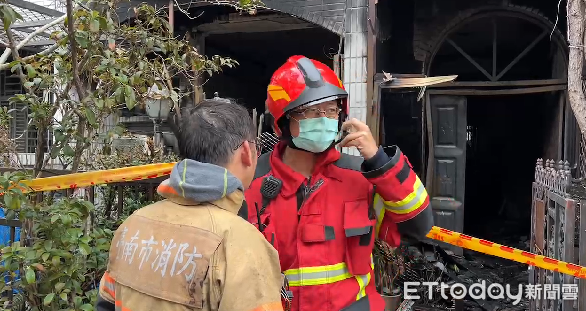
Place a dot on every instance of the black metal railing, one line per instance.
(558, 232)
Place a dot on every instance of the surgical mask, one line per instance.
(316, 134)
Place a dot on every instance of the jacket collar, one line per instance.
(231, 202)
(293, 180)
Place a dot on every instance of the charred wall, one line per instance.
(326, 13)
(408, 31)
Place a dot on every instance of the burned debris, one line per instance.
(410, 270)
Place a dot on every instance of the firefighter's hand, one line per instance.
(359, 136)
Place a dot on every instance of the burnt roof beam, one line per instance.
(35, 7)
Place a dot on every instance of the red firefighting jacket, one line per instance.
(324, 227)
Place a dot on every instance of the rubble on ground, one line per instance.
(430, 263)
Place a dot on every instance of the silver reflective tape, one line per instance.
(362, 291)
(306, 276)
(110, 286)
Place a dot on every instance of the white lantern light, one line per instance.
(158, 103)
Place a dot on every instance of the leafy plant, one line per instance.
(8, 152)
(98, 65)
(138, 155)
(60, 267)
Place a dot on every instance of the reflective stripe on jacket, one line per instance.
(323, 227)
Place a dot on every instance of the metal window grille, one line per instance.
(25, 135)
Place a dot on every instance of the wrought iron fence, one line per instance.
(557, 232)
(267, 141)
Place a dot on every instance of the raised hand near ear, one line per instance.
(359, 136)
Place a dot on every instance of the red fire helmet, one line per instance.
(302, 81)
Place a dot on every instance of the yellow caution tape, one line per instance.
(494, 249)
(87, 179)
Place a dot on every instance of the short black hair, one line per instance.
(211, 131)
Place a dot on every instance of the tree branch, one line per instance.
(28, 38)
(73, 45)
(47, 51)
(15, 55)
(80, 145)
(576, 61)
(170, 86)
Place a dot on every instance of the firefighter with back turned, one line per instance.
(191, 251)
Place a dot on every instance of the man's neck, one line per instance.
(300, 161)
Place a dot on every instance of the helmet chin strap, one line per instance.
(290, 144)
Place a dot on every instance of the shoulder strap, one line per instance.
(349, 162)
(263, 165)
(243, 212)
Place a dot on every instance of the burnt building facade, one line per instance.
(473, 142)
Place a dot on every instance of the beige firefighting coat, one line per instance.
(178, 254)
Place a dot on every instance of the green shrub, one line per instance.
(60, 261)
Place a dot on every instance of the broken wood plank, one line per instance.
(379, 77)
(397, 83)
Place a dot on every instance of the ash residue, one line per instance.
(430, 263)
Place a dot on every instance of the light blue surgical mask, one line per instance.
(316, 134)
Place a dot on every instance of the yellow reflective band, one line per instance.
(379, 209)
(309, 276)
(363, 281)
(183, 180)
(416, 186)
(412, 202)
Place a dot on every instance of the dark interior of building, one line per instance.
(402, 125)
(506, 133)
(513, 36)
(260, 43)
(505, 137)
(259, 55)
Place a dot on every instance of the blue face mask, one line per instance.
(317, 134)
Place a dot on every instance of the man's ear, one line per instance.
(246, 154)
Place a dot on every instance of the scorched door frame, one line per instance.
(428, 131)
(453, 153)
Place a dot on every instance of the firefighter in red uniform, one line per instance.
(322, 209)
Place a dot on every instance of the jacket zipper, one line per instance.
(305, 191)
